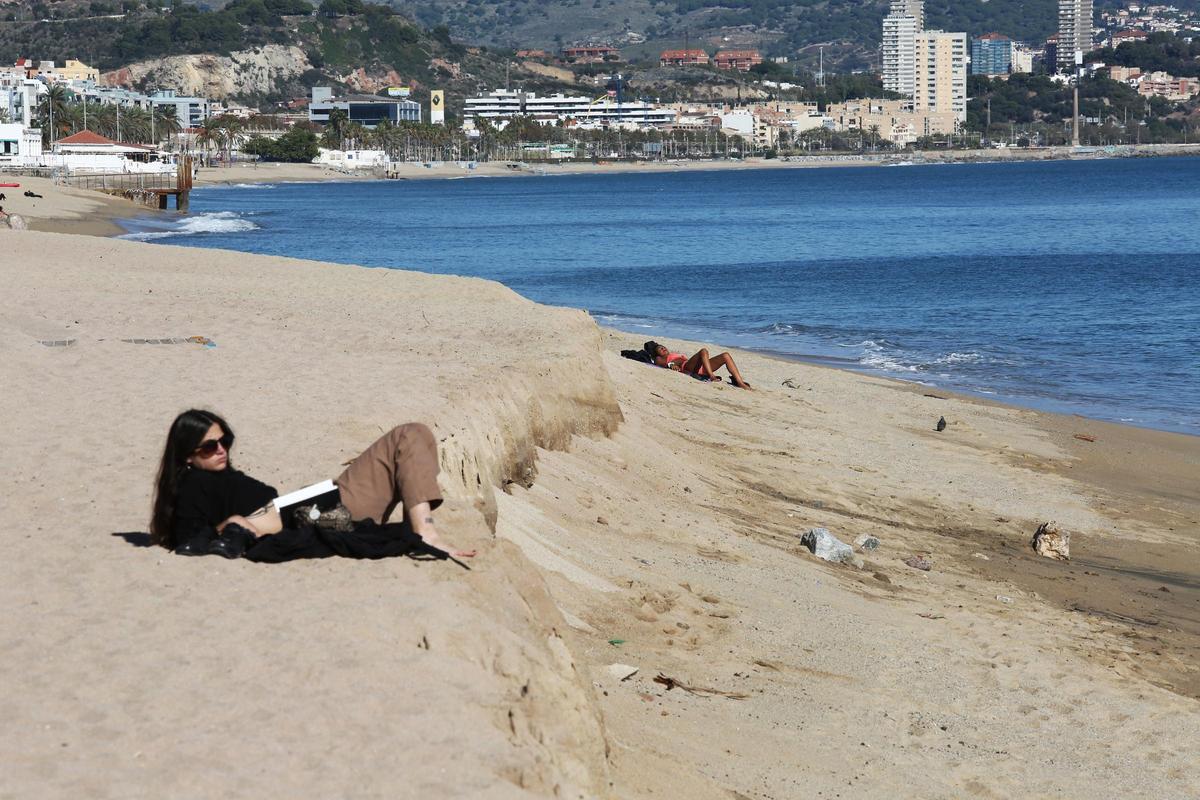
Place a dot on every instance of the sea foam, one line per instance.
(213, 222)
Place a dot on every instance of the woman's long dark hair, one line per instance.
(185, 435)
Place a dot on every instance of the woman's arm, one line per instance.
(261, 522)
(663, 362)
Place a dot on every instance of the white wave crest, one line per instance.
(215, 222)
(960, 358)
(874, 357)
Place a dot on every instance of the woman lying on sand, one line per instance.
(203, 505)
(701, 365)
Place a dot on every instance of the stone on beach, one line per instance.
(1052, 541)
(919, 562)
(824, 545)
(622, 672)
(866, 542)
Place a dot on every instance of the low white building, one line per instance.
(20, 145)
(351, 159)
(739, 122)
(503, 104)
(87, 151)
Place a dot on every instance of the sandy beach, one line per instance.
(292, 173)
(285, 173)
(626, 517)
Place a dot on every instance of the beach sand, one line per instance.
(624, 515)
(285, 173)
(290, 173)
(65, 209)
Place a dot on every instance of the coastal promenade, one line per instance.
(624, 515)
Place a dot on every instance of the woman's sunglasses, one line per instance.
(209, 446)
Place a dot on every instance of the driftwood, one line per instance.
(699, 691)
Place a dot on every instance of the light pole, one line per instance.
(1075, 119)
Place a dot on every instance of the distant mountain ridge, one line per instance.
(247, 53)
(849, 30)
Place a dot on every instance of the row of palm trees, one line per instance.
(62, 113)
(410, 141)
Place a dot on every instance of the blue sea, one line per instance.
(1065, 286)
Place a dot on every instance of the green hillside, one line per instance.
(372, 38)
(848, 29)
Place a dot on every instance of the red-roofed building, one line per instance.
(682, 58)
(737, 59)
(591, 54)
(88, 151)
(92, 142)
(1120, 37)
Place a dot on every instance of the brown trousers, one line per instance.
(400, 467)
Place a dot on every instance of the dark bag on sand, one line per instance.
(645, 355)
(365, 539)
(638, 355)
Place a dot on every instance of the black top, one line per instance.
(206, 499)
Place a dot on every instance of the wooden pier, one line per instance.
(148, 188)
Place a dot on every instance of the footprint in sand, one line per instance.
(717, 554)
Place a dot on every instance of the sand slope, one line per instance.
(131, 672)
(880, 682)
(610, 501)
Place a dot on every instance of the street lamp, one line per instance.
(1078, 77)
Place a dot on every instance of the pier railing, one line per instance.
(147, 188)
(121, 181)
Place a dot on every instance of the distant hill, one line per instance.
(263, 51)
(848, 29)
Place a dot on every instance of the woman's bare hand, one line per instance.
(238, 519)
(431, 538)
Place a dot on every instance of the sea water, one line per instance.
(1067, 286)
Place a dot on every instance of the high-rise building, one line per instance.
(1074, 31)
(941, 73)
(909, 8)
(1022, 58)
(991, 54)
(905, 19)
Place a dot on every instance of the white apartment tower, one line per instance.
(941, 74)
(909, 8)
(1074, 31)
(905, 19)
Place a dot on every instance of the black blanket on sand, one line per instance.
(367, 540)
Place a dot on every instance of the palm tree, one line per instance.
(135, 125)
(336, 128)
(53, 114)
(210, 135)
(164, 123)
(231, 128)
(356, 135)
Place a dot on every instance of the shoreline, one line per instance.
(268, 172)
(625, 515)
(996, 399)
(91, 213)
(1135, 475)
